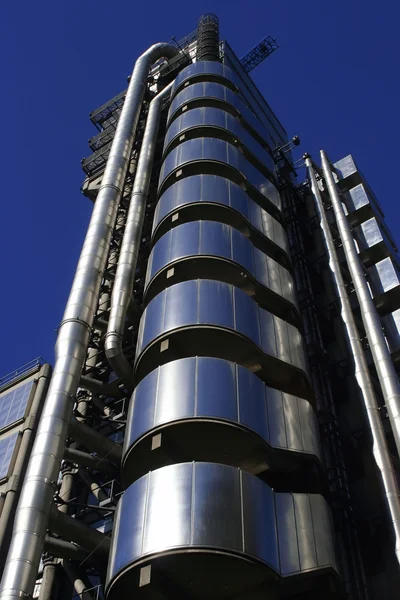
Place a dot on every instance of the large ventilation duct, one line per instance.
(373, 327)
(125, 275)
(208, 38)
(38, 489)
(379, 449)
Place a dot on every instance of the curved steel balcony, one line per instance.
(208, 409)
(218, 529)
(209, 93)
(210, 250)
(217, 157)
(218, 199)
(205, 70)
(209, 318)
(214, 122)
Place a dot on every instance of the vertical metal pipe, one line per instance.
(380, 449)
(14, 485)
(48, 581)
(125, 275)
(40, 482)
(373, 328)
(75, 578)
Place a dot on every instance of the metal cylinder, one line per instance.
(373, 327)
(380, 449)
(93, 440)
(36, 496)
(125, 275)
(208, 38)
(13, 488)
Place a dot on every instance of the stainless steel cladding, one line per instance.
(220, 372)
(205, 71)
(194, 520)
(211, 93)
(384, 279)
(380, 448)
(124, 278)
(245, 423)
(215, 122)
(218, 157)
(384, 365)
(211, 250)
(216, 198)
(204, 317)
(38, 489)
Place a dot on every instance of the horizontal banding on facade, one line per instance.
(209, 409)
(216, 198)
(211, 250)
(216, 123)
(209, 318)
(204, 94)
(218, 157)
(193, 520)
(204, 71)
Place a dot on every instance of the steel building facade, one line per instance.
(214, 403)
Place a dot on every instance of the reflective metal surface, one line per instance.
(254, 98)
(216, 152)
(383, 276)
(201, 311)
(201, 71)
(210, 93)
(372, 241)
(220, 120)
(191, 509)
(211, 192)
(391, 324)
(384, 365)
(207, 240)
(204, 398)
(33, 511)
(360, 204)
(380, 448)
(127, 261)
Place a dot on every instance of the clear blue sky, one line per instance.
(334, 82)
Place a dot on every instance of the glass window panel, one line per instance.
(13, 403)
(7, 445)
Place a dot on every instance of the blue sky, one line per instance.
(334, 82)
